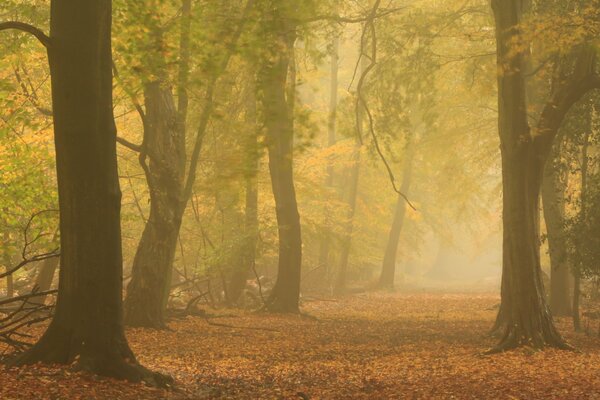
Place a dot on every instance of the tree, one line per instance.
(88, 324)
(388, 269)
(553, 197)
(164, 144)
(524, 317)
(276, 84)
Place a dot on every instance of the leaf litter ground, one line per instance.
(368, 346)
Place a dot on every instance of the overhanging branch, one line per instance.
(22, 26)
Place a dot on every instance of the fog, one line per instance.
(372, 174)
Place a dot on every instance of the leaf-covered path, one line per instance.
(369, 346)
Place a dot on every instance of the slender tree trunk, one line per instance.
(388, 270)
(553, 192)
(584, 189)
(87, 325)
(325, 244)
(277, 103)
(248, 257)
(346, 241)
(164, 142)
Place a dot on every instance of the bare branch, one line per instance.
(21, 26)
(131, 146)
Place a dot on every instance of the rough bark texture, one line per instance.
(388, 269)
(88, 320)
(164, 143)
(277, 103)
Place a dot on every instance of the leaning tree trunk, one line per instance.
(277, 105)
(87, 325)
(164, 144)
(388, 270)
(524, 316)
(553, 192)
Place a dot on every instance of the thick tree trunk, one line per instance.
(388, 269)
(87, 325)
(553, 192)
(277, 104)
(164, 143)
(524, 317)
(325, 245)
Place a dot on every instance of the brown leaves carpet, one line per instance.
(368, 346)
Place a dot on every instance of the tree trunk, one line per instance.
(240, 275)
(164, 142)
(45, 277)
(584, 189)
(277, 103)
(553, 192)
(87, 325)
(346, 241)
(325, 244)
(524, 316)
(388, 270)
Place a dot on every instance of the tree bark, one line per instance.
(277, 103)
(388, 269)
(164, 142)
(87, 325)
(553, 197)
(524, 315)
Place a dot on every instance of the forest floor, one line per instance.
(367, 346)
